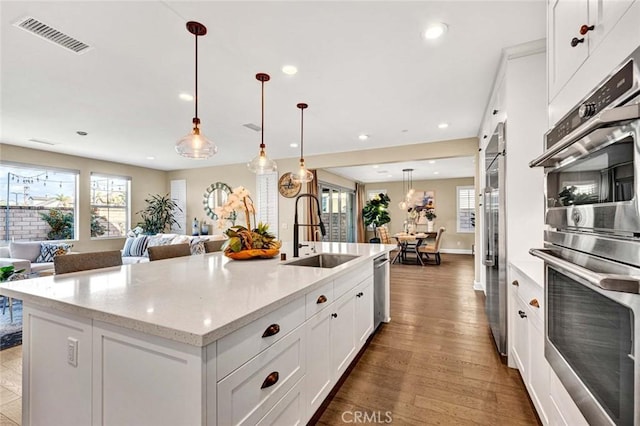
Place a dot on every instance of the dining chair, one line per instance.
(383, 234)
(213, 246)
(169, 251)
(426, 250)
(76, 262)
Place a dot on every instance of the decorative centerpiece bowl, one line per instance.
(245, 243)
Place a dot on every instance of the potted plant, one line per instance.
(158, 215)
(430, 214)
(375, 213)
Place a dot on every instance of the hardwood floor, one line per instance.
(435, 362)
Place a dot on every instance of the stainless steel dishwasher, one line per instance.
(381, 290)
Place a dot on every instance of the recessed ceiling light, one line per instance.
(389, 175)
(185, 96)
(293, 145)
(375, 166)
(363, 137)
(435, 31)
(436, 173)
(443, 125)
(151, 157)
(432, 161)
(289, 69)
(82, 133)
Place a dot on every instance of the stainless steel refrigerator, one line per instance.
(494, 255)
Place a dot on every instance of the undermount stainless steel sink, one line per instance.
(323, 260)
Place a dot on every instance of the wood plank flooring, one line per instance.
(435, 363)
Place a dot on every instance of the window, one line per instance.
(267, 201)
(110, 206)
(466, 209)
(37, 203)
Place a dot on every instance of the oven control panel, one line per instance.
(610, 91)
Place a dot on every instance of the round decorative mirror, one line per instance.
(215, 196)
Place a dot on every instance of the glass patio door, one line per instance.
(338, 213)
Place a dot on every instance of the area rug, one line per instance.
(11, 332)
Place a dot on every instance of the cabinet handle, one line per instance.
(576, 41)
(494, 112)
(534, 303)
(360, 294)
(321, 299)
(522, 314)
(271, 380)
(516, 283)
(271, 330)
(334, 315)
(586, 28)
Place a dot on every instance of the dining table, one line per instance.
(409, 243)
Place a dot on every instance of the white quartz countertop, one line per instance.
(532, 268)
(193, 299)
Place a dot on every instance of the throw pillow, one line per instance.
(138, 246)
(181, 239)
(50, 250)
(127, 244)
(157, 240)
(197, 245)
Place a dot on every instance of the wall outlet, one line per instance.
(72, 351)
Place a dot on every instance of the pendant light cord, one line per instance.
(301, 133)
(262, 120)
(196, 36)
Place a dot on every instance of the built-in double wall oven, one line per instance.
(592, 249)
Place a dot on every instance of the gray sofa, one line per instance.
(23, 255)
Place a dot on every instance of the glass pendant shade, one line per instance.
(261, 163)
(302, 174)
(195, 144)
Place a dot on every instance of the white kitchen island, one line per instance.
(193, 340)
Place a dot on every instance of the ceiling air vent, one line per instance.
(252, 126)
(51, 34)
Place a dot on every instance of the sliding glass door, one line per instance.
(338, 213)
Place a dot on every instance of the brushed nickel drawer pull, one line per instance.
(516, 283)
(321, 299)
(271, 330)
(534, 303)
(271, 380)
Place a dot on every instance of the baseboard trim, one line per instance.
(477, 285)
(456, 251)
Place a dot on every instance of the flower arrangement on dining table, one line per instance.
(245, 242)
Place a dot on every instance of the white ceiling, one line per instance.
(363, 68)
(441, 168)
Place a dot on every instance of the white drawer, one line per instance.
(240, 346)
(248, 394)
(530, 293)
(319, 299)
(351, 279)
(289, 410)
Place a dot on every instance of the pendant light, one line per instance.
(262, 164)
(302, 175)
(407, 188)
(195, 144)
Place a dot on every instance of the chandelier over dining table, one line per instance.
(407, 188)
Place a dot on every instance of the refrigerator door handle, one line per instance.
(488, 258)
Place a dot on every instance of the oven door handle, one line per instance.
(615, 282)
(606, 118)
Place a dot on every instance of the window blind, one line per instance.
(266, 202)
(466, 208)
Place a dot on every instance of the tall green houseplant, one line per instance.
(159, 214)
(376, 213)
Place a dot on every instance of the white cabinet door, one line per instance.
(539, 370)
(565, 17)
(343, 342)
(520, 346)
(318, 380)
(604, 15)
(364, 311)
